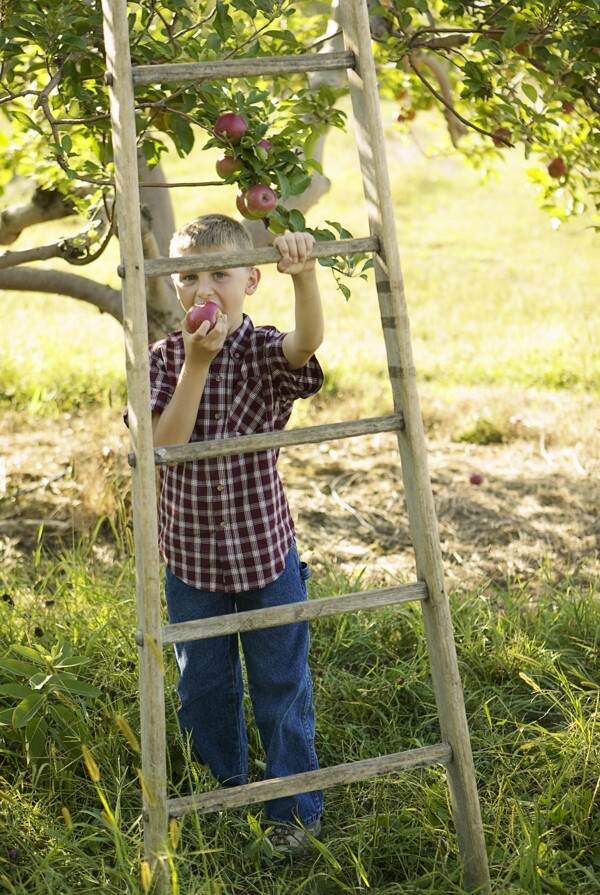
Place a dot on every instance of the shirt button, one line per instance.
(218, 416)
(220, 487)
(218, 378)
(223, 525)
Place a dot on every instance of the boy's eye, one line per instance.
(188, 277)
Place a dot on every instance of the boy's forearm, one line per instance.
(309, 329)
(176, 423)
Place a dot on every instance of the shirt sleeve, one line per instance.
(291, 384)
(162, 379)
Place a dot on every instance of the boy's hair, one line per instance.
(210, 231)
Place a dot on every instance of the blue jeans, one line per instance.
(211, 688)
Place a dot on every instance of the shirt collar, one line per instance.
(238, 339)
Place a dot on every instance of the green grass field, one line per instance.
(497, 298)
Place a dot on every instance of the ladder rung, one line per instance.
(293, 612)
(257, 66)
(245, 444)
(279, 787)
(157, 267)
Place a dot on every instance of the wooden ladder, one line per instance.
(454, 749)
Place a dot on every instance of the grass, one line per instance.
(532, 685)
(496, 298)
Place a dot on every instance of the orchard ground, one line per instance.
(531, 521)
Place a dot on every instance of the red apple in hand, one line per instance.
(230, 126)
(197, 314)
(557, 168)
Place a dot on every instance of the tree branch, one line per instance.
(31, 279)
(39, 253)
(44, 205)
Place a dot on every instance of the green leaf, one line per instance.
(35, 735)
(16, 667)
(40, 680)
(530, 92)
(72, 661)
(284, 185)
(27, 709)
(17, 691)
(182, 135)
(72, 684)
(297, 221)
(30, 653)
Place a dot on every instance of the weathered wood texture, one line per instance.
(261, 66)
(158, 267)
(455, 750)
(447, 684)
(294, 612)
(352, 772)
(145, 523)
(243, 444)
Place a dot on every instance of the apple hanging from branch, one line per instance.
(227, 165)
(557, 167)
(256, 202)
(231, 127)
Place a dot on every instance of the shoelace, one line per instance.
(283, 836)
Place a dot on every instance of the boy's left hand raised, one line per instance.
(295, 249)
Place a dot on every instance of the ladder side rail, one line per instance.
(151, 671)
(277, 787)
(157, 267)
(257, 66)
(418, 494)
(242, 444)
(325, 607)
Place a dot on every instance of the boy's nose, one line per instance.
(203, 287)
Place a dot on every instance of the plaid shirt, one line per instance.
(225, 523)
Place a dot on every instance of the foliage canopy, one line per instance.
(519, 73)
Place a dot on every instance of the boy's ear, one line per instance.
(253, 280)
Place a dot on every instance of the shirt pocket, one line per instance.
(249, 410)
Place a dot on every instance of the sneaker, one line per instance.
(289, 842)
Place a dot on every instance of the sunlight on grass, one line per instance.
(495, 295)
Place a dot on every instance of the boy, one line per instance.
(226, 532)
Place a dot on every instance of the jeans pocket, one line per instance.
(305, 571)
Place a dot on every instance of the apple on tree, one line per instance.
(197, 314)
(557, 167)
(230, 126)
(227, 165)
(256, 202)
(501, 136)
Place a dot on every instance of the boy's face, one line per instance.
(227, 288)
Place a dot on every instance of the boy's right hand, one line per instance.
(202, 346)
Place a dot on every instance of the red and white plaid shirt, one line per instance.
(225, 523)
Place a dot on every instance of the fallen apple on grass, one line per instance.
(197, 314)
